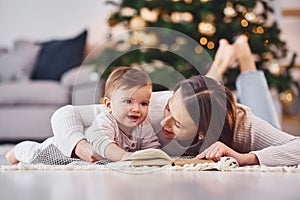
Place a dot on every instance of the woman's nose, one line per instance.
(166, 121)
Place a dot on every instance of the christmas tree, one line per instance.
(206, 22)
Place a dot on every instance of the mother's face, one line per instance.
(178, 124)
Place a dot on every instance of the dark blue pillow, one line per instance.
(58, 56)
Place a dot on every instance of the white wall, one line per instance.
(41, 20)
(53, 19)
(289, 26)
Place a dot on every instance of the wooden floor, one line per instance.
(107, 185)
(291, 124)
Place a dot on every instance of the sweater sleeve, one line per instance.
(272, 146)
(69, 123)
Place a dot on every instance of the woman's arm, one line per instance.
(257, 142)
(272, 146)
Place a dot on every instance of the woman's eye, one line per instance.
(177, 125)
(167, 107)
(127, 101)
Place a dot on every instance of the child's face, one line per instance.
(130, 107)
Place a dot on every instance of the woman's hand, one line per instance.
(218, 149)
(85, 151)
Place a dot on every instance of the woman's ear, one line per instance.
(107, 103)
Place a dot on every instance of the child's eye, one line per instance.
(128, 101)
(144, 103)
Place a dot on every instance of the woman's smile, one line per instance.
(168, 134)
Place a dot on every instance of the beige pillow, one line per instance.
(17, 64)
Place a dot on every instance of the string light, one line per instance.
(198, 49)
(163, 47)
(188, 1)
(203, 40)
(260, 30)
(180, 40)
(244, 23)
(210, 45)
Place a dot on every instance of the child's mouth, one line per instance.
(133, 118)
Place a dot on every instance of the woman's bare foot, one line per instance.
(244, 54)
(224, 57)
(10, 156)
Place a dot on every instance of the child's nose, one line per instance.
(135, 107)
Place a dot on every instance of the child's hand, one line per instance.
(126, 155)
(85, 151)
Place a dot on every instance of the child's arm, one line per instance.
(102, 135)
(114, 153)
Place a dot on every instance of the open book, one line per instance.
(157, 157)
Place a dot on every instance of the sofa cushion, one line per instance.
(33, 93)
(17, 64)
(58, 56)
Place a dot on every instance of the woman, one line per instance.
(244, 136)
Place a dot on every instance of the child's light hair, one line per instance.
(126, 78)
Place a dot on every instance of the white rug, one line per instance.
(219, 166)
(226, 164)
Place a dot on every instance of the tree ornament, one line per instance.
(206, 28)
(250, 16)
(229, 11)
(286, 97)
(137, 22)
(127, 12)
(274, 68)
(179, 17)
(149, 15)
(205, 21)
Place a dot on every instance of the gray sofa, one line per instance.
(38, 78)
(26, 107)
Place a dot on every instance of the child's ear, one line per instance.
(107, 103)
